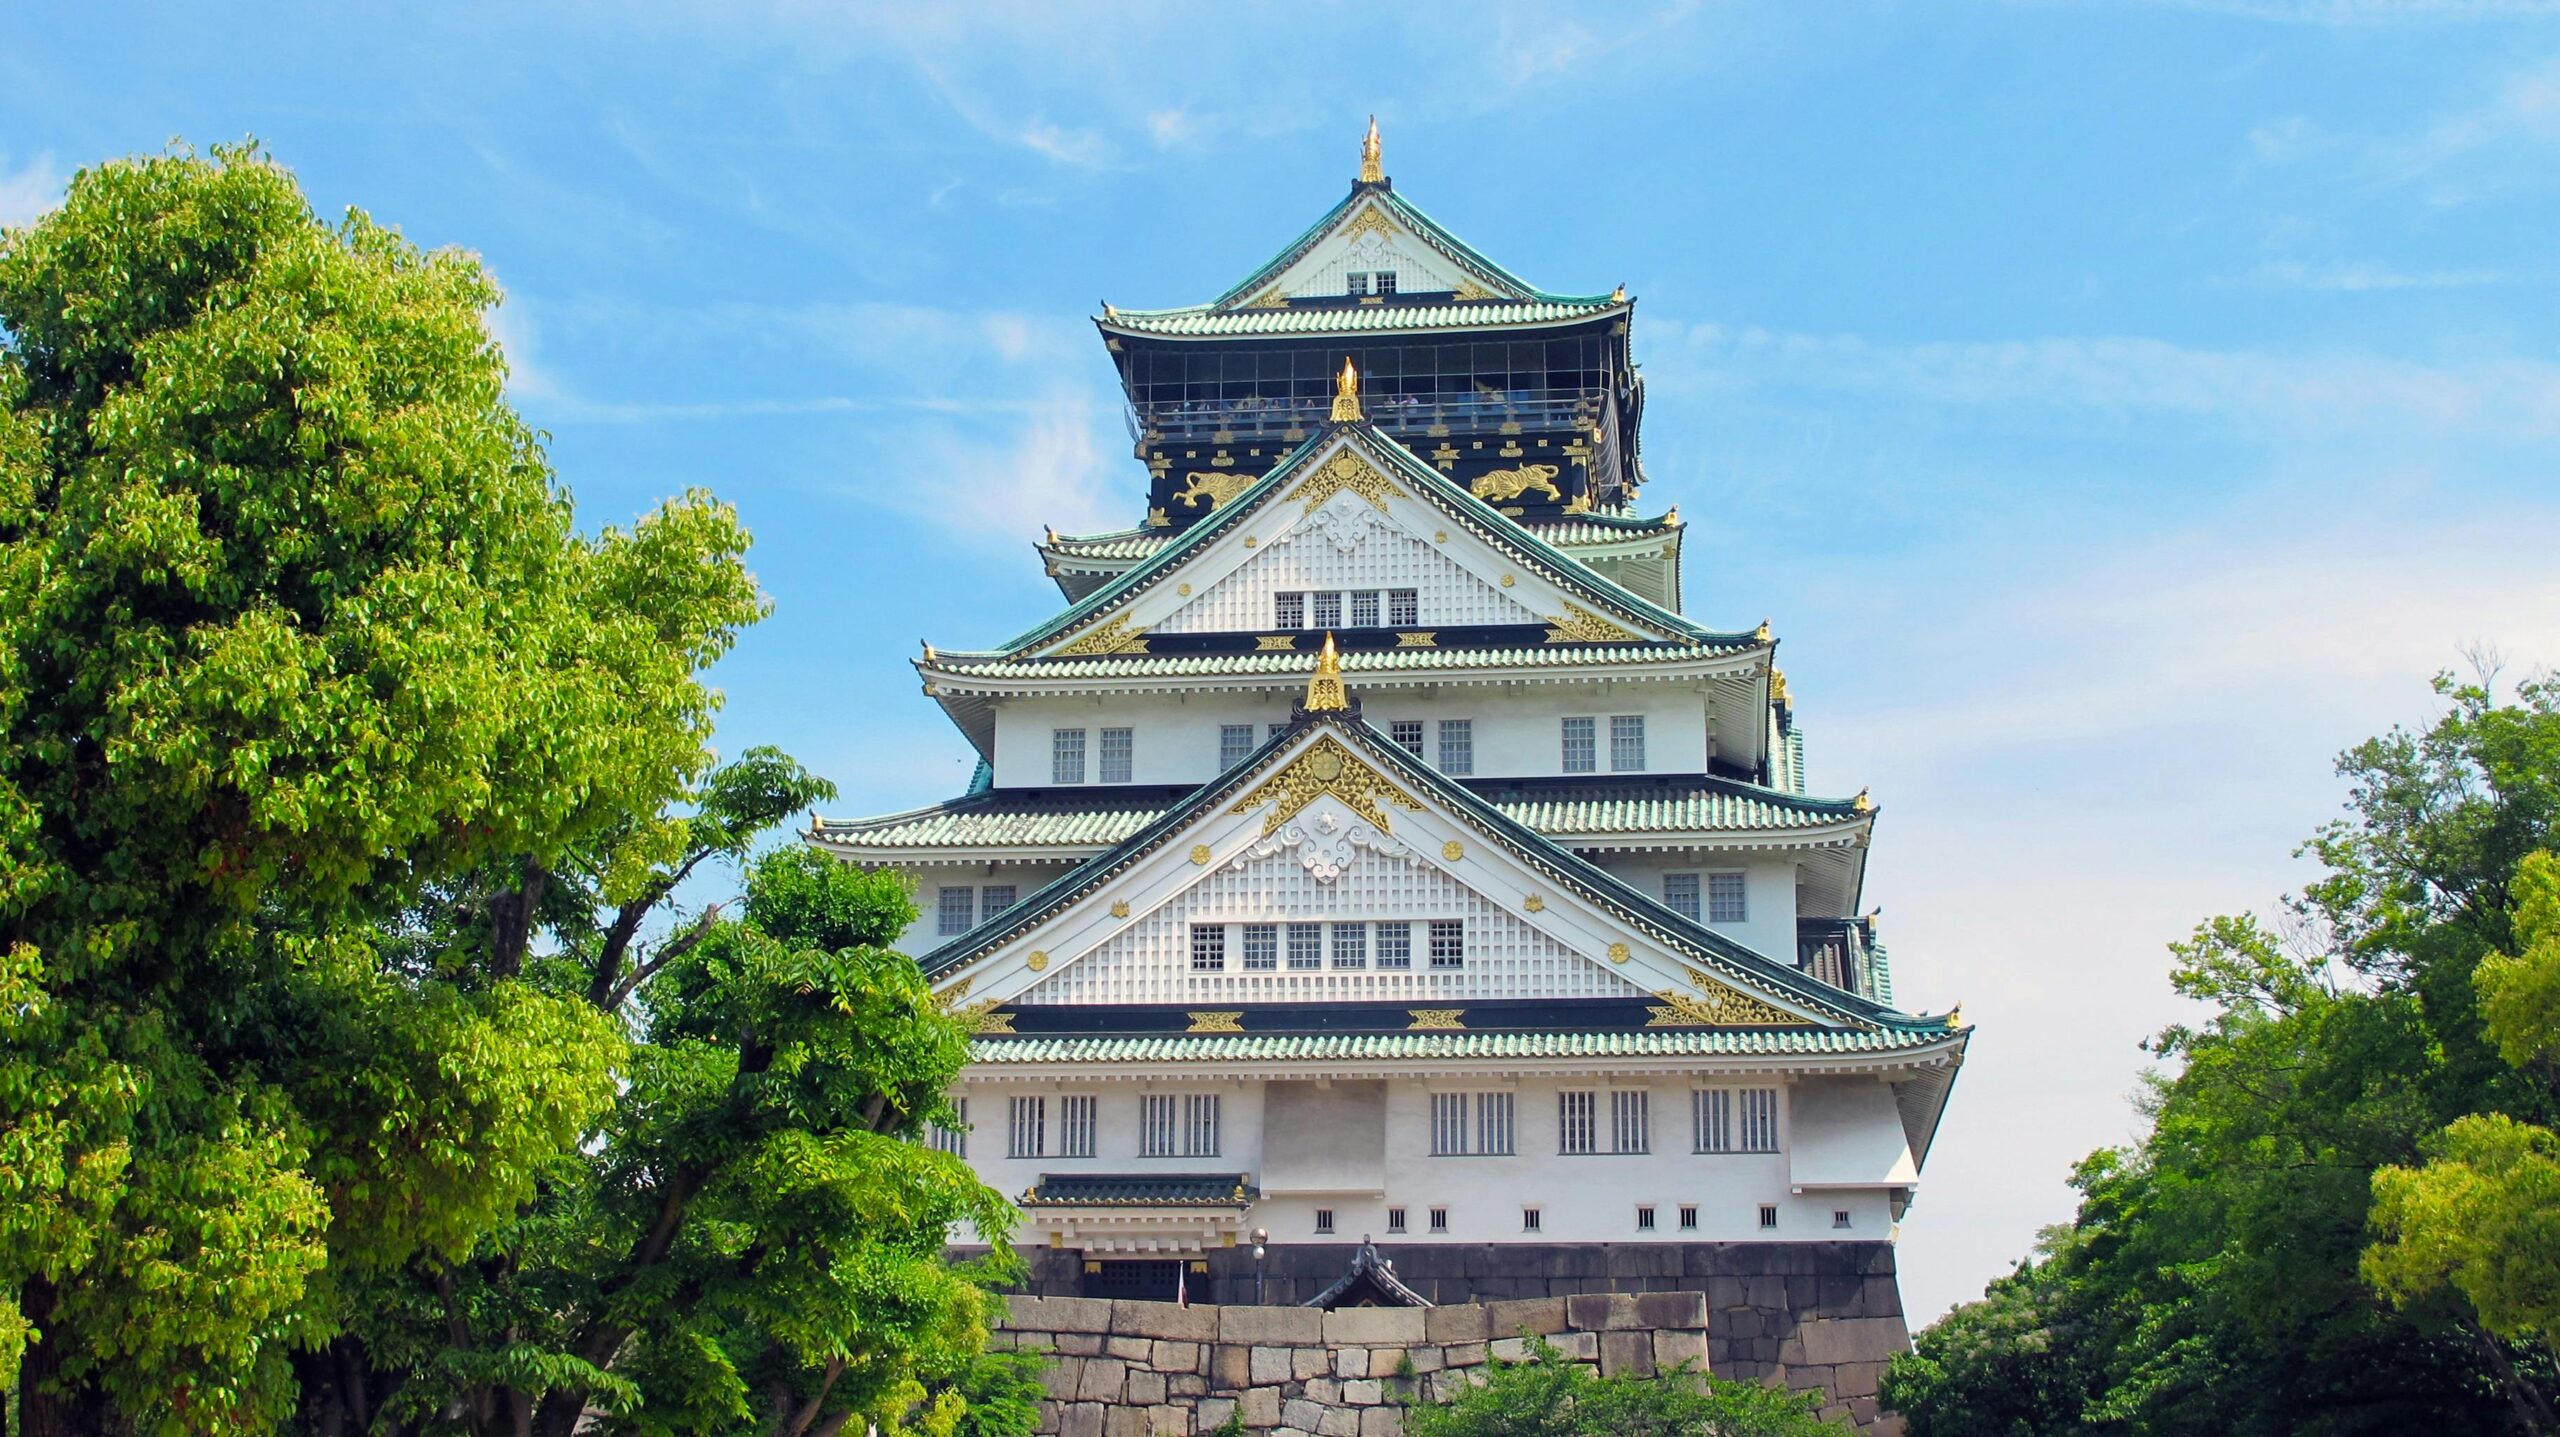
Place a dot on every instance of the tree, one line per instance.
(1548, 1395)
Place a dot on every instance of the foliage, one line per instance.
(1549, 1395)
(2215, 1278)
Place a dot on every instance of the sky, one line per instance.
(2117, 410)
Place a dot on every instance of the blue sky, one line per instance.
(2117, 409)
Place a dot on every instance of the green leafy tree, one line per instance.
(1549, 1395)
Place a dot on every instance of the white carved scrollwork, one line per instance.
(1342, 521)
(1325, 847)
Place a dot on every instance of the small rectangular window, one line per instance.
(1208, 948)
(1626, 743)
(1324, 1220)
(1688, 1217)
(1457, 746)
(1351, 945)
(1355, 282)
(1395, 945)
(1581, 745)
(1395, 1219)
(1261, 947)
(1768, 1214)
(1644, 1218)
(1030, 1128)
(1493, 1124)
(955, 910)
(1075, 1126)
(1448, 1125)
(1448, 943)
(1439, 1219)
(1306, 947)
(1159, 1126)
(1529, 1221)
(995, 898)
(1404, 607)
(952, 1140)
(1680, 894)
(1289, 610)
(1200, 1125)
(1577, 1122)
(1066, 755)
(1630, 1120)
(1386, 281)
(1364, 608)
(1235, 744)
(1725, 898)
(1327, 611)
(1408, 735)
(1839, 1217)
(1119, 746)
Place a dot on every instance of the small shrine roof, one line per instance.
(1140, 1190)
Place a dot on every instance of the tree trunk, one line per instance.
(44, 1410)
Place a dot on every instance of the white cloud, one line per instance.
(990, 489)
(30, 190)
(2369, 278)
(2371, 12)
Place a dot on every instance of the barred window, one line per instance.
(1493, 1124)
(1688, 1217)
(1208, 947)
(1075, 1126)
(1448, 943)
(1159, 1126)
(1760, 1120)
(1327, 610)
(1235, 744)
(1364, 608)
(1066, 755)
(1289, 610)
(1644, 1218)
(1355, 282)
(1724, 898)
(1680, 893)
(955, 910)
(1029, 1129)
(1306, 947)
(1386, 281)
(1630, 1112)
(995, 898)
(1581, 745)
(1404, 606)
(1395, 945)
(1530, 1220)
(1324, 1220)
(1261, 947)
(1119, 745)
(1577, 1121)
(953, 1140)
(1408, 735)
(1351, 945)
(1439, 1219)
(1626, 743)
(1768, 1215)
(1200, 1125)
(1457, 747)
(1711, 1118)
(1735, 1120)
(1395, 1219)
(1448, 1125)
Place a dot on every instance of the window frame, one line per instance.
(1578, 743)
(1066, 756)
(1458, 759)
(1116, 755)
(1626, 743)
(1208, 948)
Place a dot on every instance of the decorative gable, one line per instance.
(1370, 238)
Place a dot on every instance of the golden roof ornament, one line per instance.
(1324, 691)
(1865, 804)
(1108, 312)
(1371, 171)
(1618, 295)
(1346, 394)
(1762, 633)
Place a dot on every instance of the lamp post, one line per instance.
(1261, 1249)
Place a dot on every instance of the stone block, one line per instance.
(1468, 1322)
(1129, 1349)
(1271, 1325)
(1509, 1349)
(1060, 1377)
(1626, 1354)
(1175, 1357)
(1146, 1388)
(1856, 1379)
(1672, 1347)
(1300, 1413)
(1671, 1309)
(1186, 1384)
(1306, 1362)
(1387, 1361)
(1213, 1412)
(1852, 1339)
(1101, 1379)
(1541, 1315)
(1325, 1390)
(1363, 1393)
(1351, 1362)
(1464, 1354)
(1081, 1344)
(1083, 1419)
(1382, 1422)
(1338, 1422)
(1164, 1319)
(1374, 1326)
(1125, 1422)
(1060, 1314)
(1168, 1421)
(1261, 1407)
(1600, 1312)
(1271, 1364)
(1580, 1346)
(1230, 1367)
(1429, 1359)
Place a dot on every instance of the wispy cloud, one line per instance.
(29, 190)
(982, 489)
(2360, 13)
(2368, 278)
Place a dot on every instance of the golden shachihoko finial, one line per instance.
(1371, 171)
(1346, 393)
(1324, 691)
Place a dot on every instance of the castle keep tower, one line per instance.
(1372, 848)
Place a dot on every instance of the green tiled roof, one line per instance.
(1140, 1190)
(1125, 544)
(1352, 1047)
(1204, 322)
(1359, 661)
(1579, 531)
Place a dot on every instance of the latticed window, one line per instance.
(1577, 1121)
(1328, 608)
(1581, 746)
(1275, 730)
(1493, 1124)
(1306, 947)
(1448, 1125)
(1159, 1126)
(995, 898)
(1724, 898)
(1408, 735)
(1364, 608)
(1351, 945)
(1261, 947)
(1200, 1125)
(953, 1140)
(1680, 893)
(1029, 1129)
(1208, 947)
(1355, 282)
(1626, 743)
(955, 910)
(1759, 1120)
(1066, 755)
(1289, 609)
(1075, 1126)
(1457, 746)
(1630, 1128)
(1404, 606)
(1448, 943)
(1395, 945)
(1711, 1119)
(1119, 746)
(1235, 744)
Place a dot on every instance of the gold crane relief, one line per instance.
(1496, 485)
(1215, 487)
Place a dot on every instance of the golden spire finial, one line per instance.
(1324, 691)
(1762, 633)
(1371, 171)
(1346, 393)
(1865, 804)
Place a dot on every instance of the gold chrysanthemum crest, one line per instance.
(1326, 767)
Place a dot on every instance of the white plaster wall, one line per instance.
(1519, 731)
(924, 934)
(1768, 893)
(1580, 1198)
